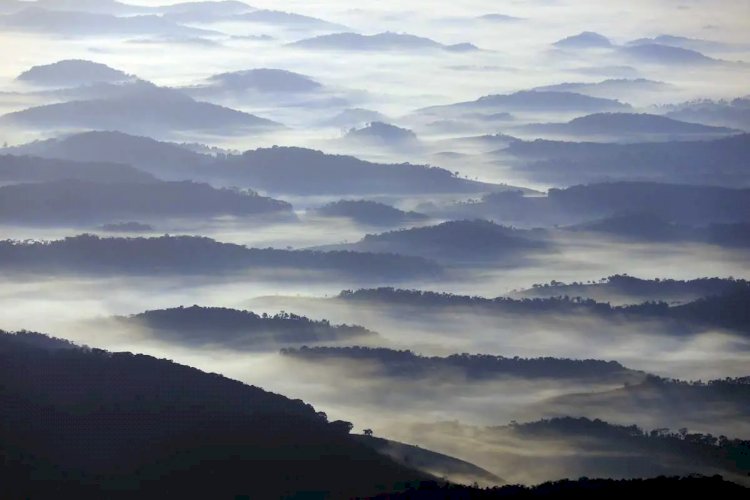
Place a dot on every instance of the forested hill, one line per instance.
(410, 365)
(156, 429)
(199, 326)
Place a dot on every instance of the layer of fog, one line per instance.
(517, 57)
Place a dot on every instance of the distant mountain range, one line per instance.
(734, 113)
(623, 127)
(382, 134)
(141, 107)
(532, 100)
(696, 44)
(288, 20)
(615, 88)
(260, 80)
(380, 41)
(669, 55)
(662, 49)
(80, 23)
(584, 40)
(71, 73)
(354, 118)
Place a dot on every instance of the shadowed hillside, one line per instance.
(75, 201)
(18, 169)
(237, 329)
(173, 255)
(160, 429)
(460, 241)
(476, 367)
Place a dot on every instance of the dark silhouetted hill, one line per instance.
(437, 464)
(647, 227)
(584, 40)
(729, 310)
(611, 88)
(191, 255)
(640, 226)
(78, 23)
(696, 44)
(583, 447)
(160, 158)
(685, 452)
(306, 171)
(370, 213)
(628, 288)
(385, 134)
(232, 328)
(483, 143)
(724, 209)
(275, 170)
(499, 18)
(667, 55)
(665, 452)
(144, 107)
(734, 113)
(533, 101)
(466, 240)
(72, 72)
(713, 162)
(727, 235)
(719, 406)
(353, 118)
(380, 41)
(626, 125)
(419, 300)
(288, 20)
(203, 12)
(154, 428)
(75, 201)
(672, 202)
(19, 169)
(477, 367)
(96, 6)
(263, 80)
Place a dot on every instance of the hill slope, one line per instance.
(240, 329)
(163, 429)
(189, 255)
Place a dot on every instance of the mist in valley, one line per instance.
(515, 234)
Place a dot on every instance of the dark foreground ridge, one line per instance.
(584, 488)
(156, 429)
